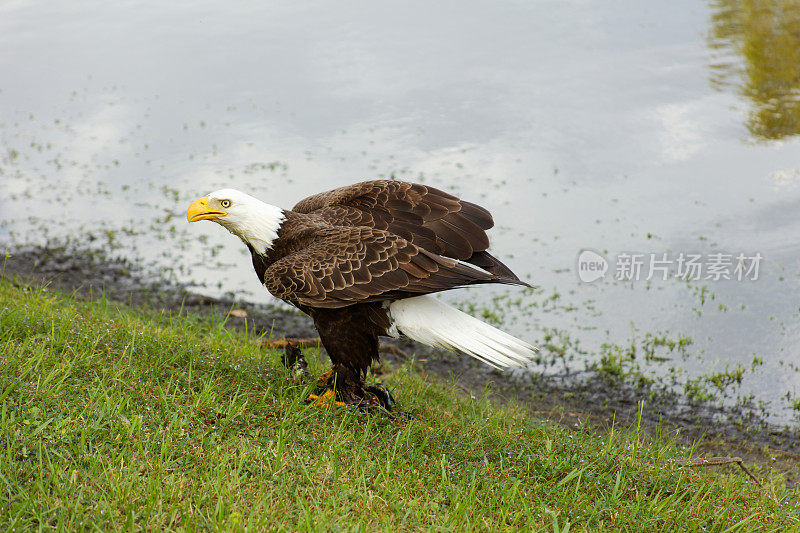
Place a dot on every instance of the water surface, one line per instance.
(619, 127)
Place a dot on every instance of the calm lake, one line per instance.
(657, 135)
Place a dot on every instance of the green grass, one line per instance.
(120, 418)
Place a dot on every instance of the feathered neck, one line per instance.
(257, 226)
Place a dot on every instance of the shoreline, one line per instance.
(569, 399)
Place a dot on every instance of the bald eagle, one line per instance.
(362, 261)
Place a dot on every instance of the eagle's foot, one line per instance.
(349, 392)
(294, 360)
(326, 380)
(380, 393)
(325, 399)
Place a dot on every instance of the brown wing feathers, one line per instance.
(348, 265)
(427, 217)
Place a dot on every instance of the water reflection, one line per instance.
(765, 35)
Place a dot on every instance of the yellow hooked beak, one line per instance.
(199, 211)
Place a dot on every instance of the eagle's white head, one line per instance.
(252, 220)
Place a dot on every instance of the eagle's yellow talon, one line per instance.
(323, 379)
(327, 399)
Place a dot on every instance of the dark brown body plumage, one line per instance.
(340, 255)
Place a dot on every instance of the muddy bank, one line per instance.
(574, 399)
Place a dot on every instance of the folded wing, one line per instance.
(348, 265)
(427, 217)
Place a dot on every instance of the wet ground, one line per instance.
(588, 398)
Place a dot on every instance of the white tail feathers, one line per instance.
(429, 321)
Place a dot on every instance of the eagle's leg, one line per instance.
(350, 336)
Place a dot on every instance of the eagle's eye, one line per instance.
(225, 203)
